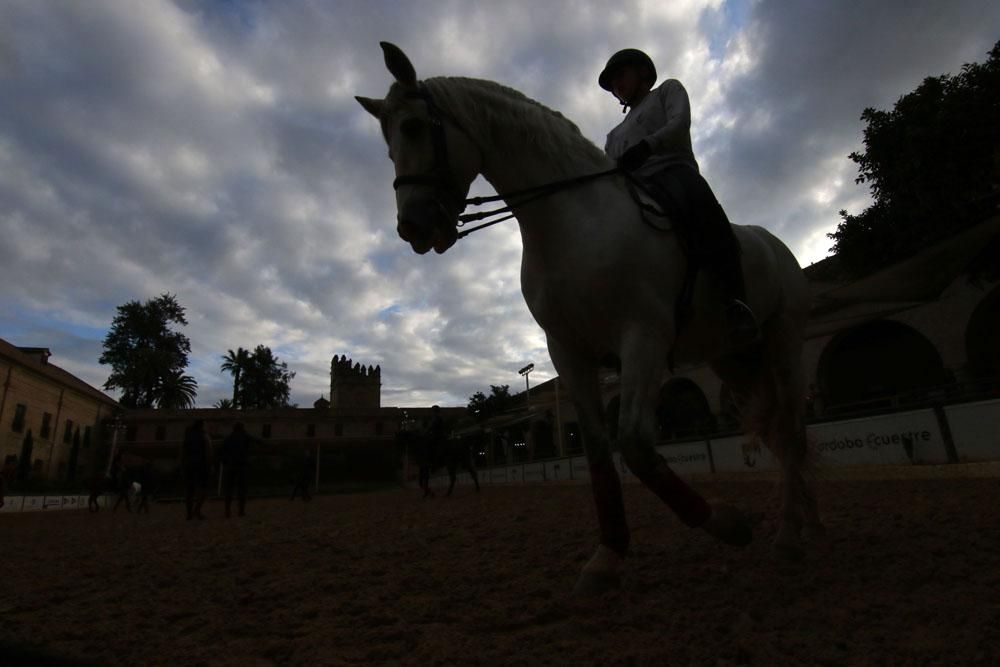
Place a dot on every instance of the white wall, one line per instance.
(975, 429)
(898, 439)
(46, 503)
(903, 438)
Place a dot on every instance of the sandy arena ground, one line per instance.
(910, 575)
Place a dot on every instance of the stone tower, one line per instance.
(353, 385)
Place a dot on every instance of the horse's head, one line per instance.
(436, 161)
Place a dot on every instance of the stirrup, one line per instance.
(743, 327)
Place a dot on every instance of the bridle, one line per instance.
(437, 176)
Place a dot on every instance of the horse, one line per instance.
(449, 453)
(603, 282)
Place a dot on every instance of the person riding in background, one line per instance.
(234, 457)
(654, 143)
(196, 464)
(433, 443)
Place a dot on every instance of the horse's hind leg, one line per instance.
(472, 471)
(643, 364)
(784, 421)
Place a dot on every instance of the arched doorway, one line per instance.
(875, 362)
(982, 335)
(683, 410)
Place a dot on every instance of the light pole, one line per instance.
(525, 372)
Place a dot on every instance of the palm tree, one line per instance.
(265, 381)
(176, 391)
(223, 404)
(236, 364)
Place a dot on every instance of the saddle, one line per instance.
(660, 210)
(683, 202)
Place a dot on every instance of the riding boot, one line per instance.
(741, 322)
(708, 240)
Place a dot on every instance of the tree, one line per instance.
(235, 363)
(145, 355)
(176, 391)
(74, 455)
(24, 465)
(933, 166)
(224, 404)
(482, 407)
(265, 381)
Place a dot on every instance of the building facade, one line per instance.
(352, 435)
(48, 416)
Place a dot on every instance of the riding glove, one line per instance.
(634, 156)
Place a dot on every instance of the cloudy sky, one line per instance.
(214, 150)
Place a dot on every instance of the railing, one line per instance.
(913, 399)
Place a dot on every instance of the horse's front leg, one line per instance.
(601, 573)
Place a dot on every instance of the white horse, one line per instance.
(603, 286)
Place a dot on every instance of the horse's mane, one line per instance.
(498, 114)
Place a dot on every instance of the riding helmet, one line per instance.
(624, 57)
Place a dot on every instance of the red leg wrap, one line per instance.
(689, 506)
(607, 490)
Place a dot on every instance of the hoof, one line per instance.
(593, 584)
(814, 532)
(788, 544)
(729, 525)
(789, 552)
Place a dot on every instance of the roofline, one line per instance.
(27, 360)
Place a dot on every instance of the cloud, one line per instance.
(214, 151)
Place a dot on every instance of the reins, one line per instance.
(434, 178)
(534, 192)
(538, 191)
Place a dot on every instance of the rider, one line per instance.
(654, 142)
(196, 464)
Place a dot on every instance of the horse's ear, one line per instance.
(374, 107)
(398, 64)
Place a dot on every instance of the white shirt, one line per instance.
(663, 120)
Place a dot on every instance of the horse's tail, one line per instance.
(776, 413)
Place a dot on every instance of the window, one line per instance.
(378, 428)
(311, 430)
(338, 429)
(46, 426)
(130, 432)
(86, 437)
(161, 433)
(265, 430)
(19, 414)
(68, 431)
